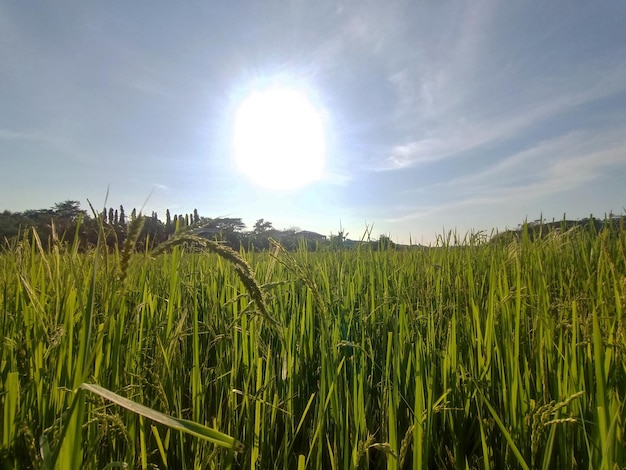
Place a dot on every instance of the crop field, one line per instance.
(508, 354)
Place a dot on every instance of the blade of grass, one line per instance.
(195, 429)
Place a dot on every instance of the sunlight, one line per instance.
(279, 139)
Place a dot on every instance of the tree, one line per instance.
(385, 243)
(261, 226)
(65, 217)
(260, 234)
(122, 216)
(227, 224)
(224, 228)
(196, 217)
(68, 210)
(12, 223)
(338, 241)
(153, 232)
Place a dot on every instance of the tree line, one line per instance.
(67, 222)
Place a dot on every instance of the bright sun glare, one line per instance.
(279, 139)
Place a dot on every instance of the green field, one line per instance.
(478, 355)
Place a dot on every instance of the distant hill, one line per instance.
(538, 229)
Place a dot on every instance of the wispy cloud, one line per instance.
(563, 164)
(581, 155)
(32, 136)
(450, 140)
(461, 98)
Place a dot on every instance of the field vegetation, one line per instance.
(470, 354)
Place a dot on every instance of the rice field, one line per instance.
(469, 356)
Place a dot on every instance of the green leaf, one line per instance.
(195, 429)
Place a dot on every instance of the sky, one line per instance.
(437, 115)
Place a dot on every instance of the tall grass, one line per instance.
(482, 355)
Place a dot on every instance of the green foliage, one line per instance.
(474, 355)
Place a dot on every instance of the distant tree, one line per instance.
(65, 217)
(261, 226)
(40, 220)
(111, 216)
(227, 229)
(261, 232)
(153, 231)
(338, 241)
(168, 218)
(133, 214)
(227, 224)
(12, 223)
(89, 231)
(68, 210)
(196, 216)
(122, 219)
(385, 243)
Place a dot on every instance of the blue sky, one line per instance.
(438, 115)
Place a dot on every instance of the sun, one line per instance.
(279, 139)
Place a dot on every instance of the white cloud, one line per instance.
(563, 164)
(461, 97)
(455, 134)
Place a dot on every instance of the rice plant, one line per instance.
(465, 355)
